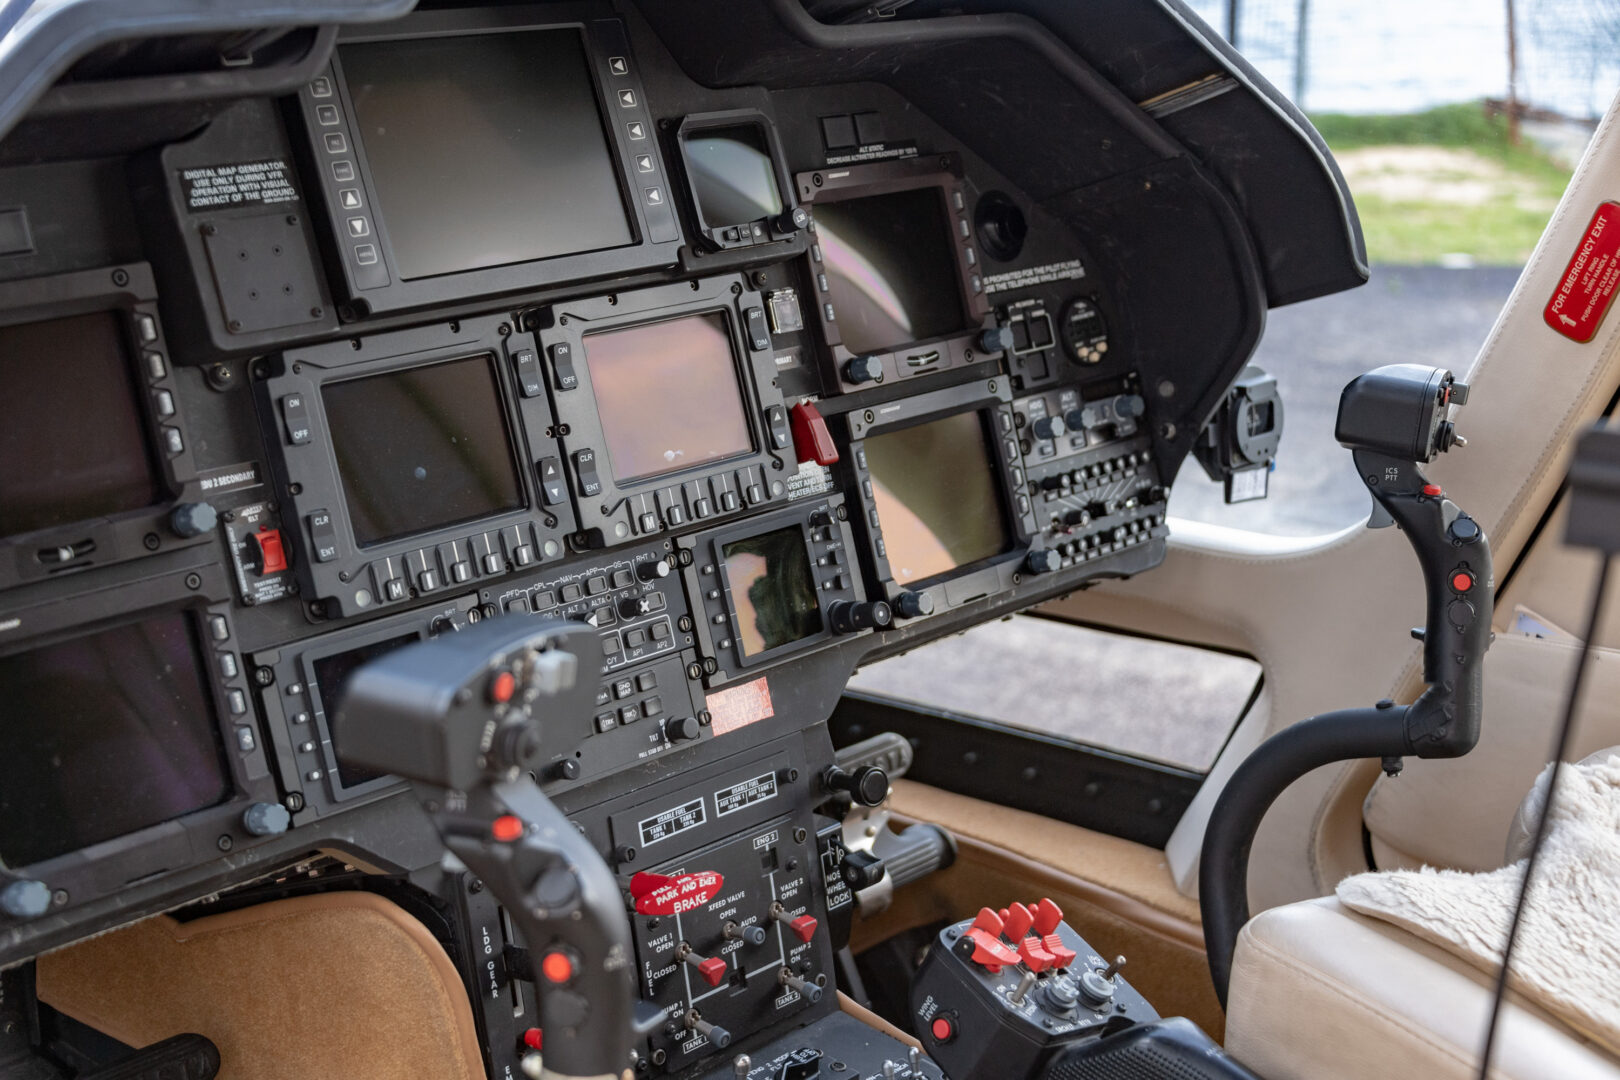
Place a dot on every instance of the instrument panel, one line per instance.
(502, 314)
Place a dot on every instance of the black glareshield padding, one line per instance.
(444, 714)
(1392, 419)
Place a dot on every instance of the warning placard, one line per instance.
(246, 183)
(1587, 288)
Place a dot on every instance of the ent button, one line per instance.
(323, 535)
(585, 473)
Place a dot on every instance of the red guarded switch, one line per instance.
(1047, 916)
(534, 1039)
(1035, 955)
(811, 439)
(989, 922)
(1062, 955)
(272, 555)
(1019, 920)
(989, 952)
(805, 927)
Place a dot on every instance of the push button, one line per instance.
(811, 439)
(759, 337)
(552, 491)
(585, 473)
(562, 366)
(295, 414)
(322, 535)
(527, 367)
(272, 555)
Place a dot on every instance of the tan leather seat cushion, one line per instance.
(344, 986)
(1321, 993)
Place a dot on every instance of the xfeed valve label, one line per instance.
(674, 820)
(248, 183)
(738, 796)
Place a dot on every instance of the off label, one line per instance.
(674, 820)
(737, 796)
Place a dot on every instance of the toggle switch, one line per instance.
(719, 1036)
(811, 439)
(712, 968)
(807, 989)
(752, 934)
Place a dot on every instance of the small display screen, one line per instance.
(101, 463)
(772, 590)
(103, 735)
(891, 269)
(668, 396)
(732, 176)
(485, 150)
(332, 674)
(935, 490)
(421, 449)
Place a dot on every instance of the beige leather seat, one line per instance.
(1320, 992)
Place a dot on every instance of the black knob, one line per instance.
(634, 607)
(793, 220)
(266, 819)
(1465, 530)
(192, 519)
(566, 769)
(1076, 518)
(752, 934)
(682, 729)
(1043, 561)
(863, 369)
(867, 785)
(1075, 420)
(848, 616)
(861, 869)
(1049, 427)
(652, 571)
(996, 339)
(1130, 406)
(910, 605)
(1054, 482)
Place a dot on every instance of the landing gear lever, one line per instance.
(465, 716)
(1392, 420)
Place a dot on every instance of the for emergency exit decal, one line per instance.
(1587, 288)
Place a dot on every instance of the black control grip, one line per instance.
(914, 854)
(889, 751)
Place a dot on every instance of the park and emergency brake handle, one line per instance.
(468, 716)
(1393, 420)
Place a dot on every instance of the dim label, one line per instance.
(676, 819)
(737, 796)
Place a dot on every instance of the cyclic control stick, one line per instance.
(1392, 420)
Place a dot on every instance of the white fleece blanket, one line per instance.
(1567, 959)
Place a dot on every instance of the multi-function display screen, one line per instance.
(332, 674)
(891, 268)
(732, 177)
(935, 490)
(421, 449)
(103, 735)
(47, 477)
(485, 150)
(772, 590)
(668, 396)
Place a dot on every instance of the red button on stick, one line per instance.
(506, 828)
(1462, 581)
(534, 1039)
(502, 687)
(557, 968)
(1432, 491)
(943, 1029)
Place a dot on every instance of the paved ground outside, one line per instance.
(1173, 703)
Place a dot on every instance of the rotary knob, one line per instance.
(912, 605)
(653, 570)
(867, 785)
(863, 369)
(192, 519)
(996, 339)
(1049, 427)
(848, 616)
(1043, 561)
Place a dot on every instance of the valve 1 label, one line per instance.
(657, 894)
(1587, 288)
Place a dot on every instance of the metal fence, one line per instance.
(1379, 56)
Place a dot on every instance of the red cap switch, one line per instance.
(1047, 917)
(942, 1029)
(713, 970)
(1462, 581)
(1432, 491)
(989, 952)
(1036, 958)
(1019, 920)
(1062, 955)
(557, 966)
(534, 1039)
(502, 687)
(272, 555)
(989, 922)
(804, 926)
(506, 828)
(811, 439)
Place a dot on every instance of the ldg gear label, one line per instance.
(738, 796)
(674, 820)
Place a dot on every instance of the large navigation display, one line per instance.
(935, 491)
(421, 449)
(47, 476)
(668, 396)
(105, 734)
(891, 268)
(485, 149)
